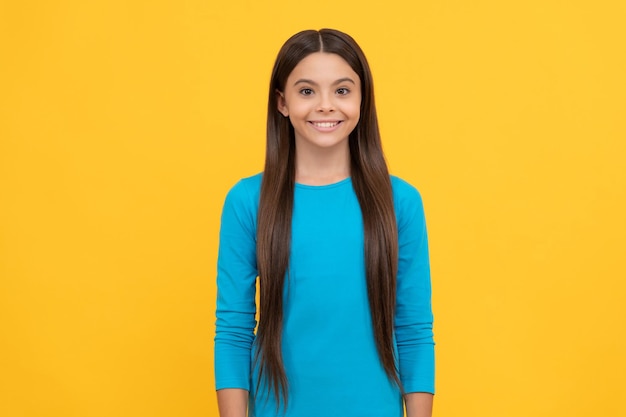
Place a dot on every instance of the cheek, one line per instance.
(356, 110)
(298, 110)
(356, 106)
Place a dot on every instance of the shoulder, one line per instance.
(404, 192)
(407, 201)
(245, 190)
(242, 201)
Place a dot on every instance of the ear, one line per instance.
(281, 104)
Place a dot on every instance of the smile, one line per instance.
(325, 124)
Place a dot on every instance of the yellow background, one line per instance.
(124, 123)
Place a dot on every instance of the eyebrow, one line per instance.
(339, 81)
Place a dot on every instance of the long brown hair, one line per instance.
(370, 179)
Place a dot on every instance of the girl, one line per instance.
(340, 250)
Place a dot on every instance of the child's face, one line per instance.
(322, 99)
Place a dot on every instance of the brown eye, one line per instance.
(306, 91)
(342, 91)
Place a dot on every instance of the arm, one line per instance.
(232, 402)
(414, 318)
(419, 404)
(235, 308)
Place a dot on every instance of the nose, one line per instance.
(325, 104)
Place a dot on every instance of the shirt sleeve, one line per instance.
(236, 287)
(414, 317)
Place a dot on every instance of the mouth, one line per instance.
(325, 124)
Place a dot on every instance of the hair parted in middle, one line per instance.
(371, 183)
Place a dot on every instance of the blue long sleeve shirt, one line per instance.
(329, 351)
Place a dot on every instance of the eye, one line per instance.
(343, 91)
(306, 91)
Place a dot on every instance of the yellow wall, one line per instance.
(123, 124)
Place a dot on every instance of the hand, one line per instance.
(419, 404)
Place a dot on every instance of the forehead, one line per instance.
(322, 67)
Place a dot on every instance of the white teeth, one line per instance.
(325, 124)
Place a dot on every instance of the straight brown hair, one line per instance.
(371, 183)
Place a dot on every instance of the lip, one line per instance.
(316, 124)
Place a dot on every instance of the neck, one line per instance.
(321, 166)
